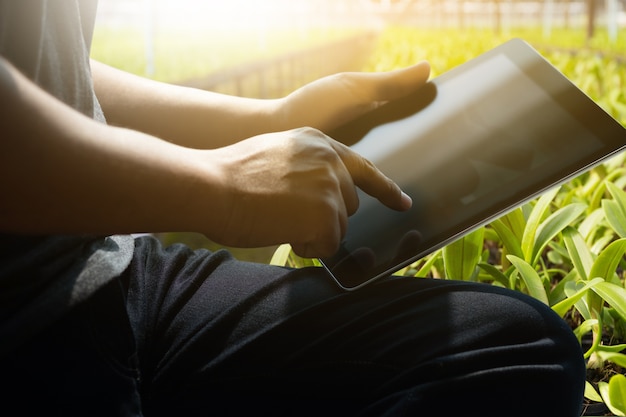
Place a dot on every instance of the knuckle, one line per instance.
(309, 131)
(367, 165)
(357, 86)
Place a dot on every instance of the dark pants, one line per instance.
(214, 336)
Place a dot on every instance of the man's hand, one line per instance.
(205, 120)
(297, 187)
(332, 101)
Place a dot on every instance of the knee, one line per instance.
(529, 350)
(502, 342)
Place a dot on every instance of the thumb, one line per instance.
(391, 85)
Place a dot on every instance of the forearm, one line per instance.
(186, 116)
(61, 172)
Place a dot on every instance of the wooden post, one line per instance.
(498, 17)
(611, 19)
(591, 19)
(548, 15)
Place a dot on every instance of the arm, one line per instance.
(186, 116)
(61, 172)
(202, 119)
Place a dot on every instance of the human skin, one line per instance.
(244, 172)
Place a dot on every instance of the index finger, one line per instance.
(371, 180)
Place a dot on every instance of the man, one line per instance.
(94, 322)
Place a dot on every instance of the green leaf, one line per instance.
(612, 348)
(615, 216)
(603, 388)
(614, 295)
(554, 224)
(614, 394)
(591, 393)
(578, 252)
(557, 293)
(604, 267)
(534, 219)
(425, 269)
(516, 222)
(618, 194)
(599, 245)
(531, 278)
(584, 328)
(607, 261)
(563, 307)
(284, 256)
(615, 210)
(461, 257)
(281, 255)
(591, 223)
(496, 274)
(617, 394)
(508, 237)
(616, 358)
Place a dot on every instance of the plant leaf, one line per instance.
(618, 194)
(495, 274)
(584, 328)
(557, 293)
(425, 269)
(612, 348)
(615, 216)
(281, 255)
(534, 219)
(614, 295)
(578, 252)
(614, 395)
(591, 223)
(603, 388)
(607, 261)
(516, 222)
(617, 394)
(563, 306)
(554, 224)
(591, 393)
(461, 257)
(509, 240)
(531, 278)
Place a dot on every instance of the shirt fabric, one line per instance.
(43, 277)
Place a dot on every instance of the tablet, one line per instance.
(471, 145)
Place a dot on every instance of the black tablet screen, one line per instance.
(479, 141)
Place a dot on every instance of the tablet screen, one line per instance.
(479, 141)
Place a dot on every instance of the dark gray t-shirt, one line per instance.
(42, 277)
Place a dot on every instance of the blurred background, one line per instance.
(267, 48)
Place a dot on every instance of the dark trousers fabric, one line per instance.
(206, 335)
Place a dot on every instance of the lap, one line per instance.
(213, 331)
(215, 336)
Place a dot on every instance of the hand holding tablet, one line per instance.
(473, 144)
